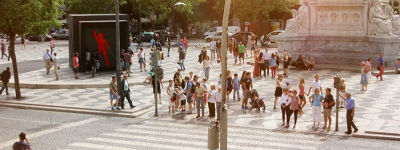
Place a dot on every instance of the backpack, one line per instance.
(193, 90)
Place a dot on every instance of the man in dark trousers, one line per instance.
(126, 92)
(350, 106)
(5, 78)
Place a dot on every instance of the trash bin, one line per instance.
(213, 136)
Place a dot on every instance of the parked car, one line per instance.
(3, 36)
(215, 30)
(60, 34)
(39, 38)
(273, 37)
(217, 36)
(147, 36)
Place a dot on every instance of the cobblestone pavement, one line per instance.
(375, 111)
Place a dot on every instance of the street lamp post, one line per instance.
(224, 117)
(117, 46)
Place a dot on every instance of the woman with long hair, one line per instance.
(302, 98)
(278, 90)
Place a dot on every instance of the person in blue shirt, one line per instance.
(381, 66)
(188, 93)
(236, 87)
(316, 100)
(23, 143)
(350, 107)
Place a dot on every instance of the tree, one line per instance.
(92, 6)
(26, 16)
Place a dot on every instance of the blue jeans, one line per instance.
(182, 64)
(207, 72)
(200, 101)
(236, 92)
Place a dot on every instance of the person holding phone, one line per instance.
(23, 143)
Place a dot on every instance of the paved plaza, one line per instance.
(375, 108)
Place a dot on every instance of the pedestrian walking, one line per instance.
(364, 76)
(23, 42)
(218, 48)
(316, 84)
(381, 66)
(47, 60)
(302, 96)
(75, 61)
(126, 93)
(23, 143)
(272, 64)
(266, 57)
(247, 85)
(286, 63)
(285, 106)
(236, 52)
(5, 78)
(95, 63)
(52, 45)
(315, 100)
(256, 67)
(114, 94)
(142, 60)
(207, 66)
(242, 50)
(185, 42)
(189, 92)
(56, 65)
(294, 107)
(9, 53)
(169, 43)
(181, 51)
(200, 91)
(211, 101)
(213, 48)
(328, 104)
(3, 49)
(277, 59)
(278, 90)
(236, 87)
(350, 107)
(128, 62)
(229, 84)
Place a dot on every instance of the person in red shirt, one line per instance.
(75, 61)
(185, 44)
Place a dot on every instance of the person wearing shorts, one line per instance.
(328, 104)
(114, 94)
(182, 98)
(75, 61)
(188, 92)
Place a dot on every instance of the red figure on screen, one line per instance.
(100, 44)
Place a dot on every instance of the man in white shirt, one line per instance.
(285, 104)
(213, 48)
(316, 84)
(267, 57)
(47, 60)
(126, 93)
(218, 99)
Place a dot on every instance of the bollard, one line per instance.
(213, 136)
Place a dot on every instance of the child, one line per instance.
(182, 98)
(170, 93)
(236, 87)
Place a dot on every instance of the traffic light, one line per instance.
(154, 59)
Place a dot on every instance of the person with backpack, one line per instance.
(328, 104)
(23, 143)
(202, 55)
(181, 63)
(5, 78)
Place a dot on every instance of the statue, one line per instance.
(378, 22)
(300, 23)
(389, 12)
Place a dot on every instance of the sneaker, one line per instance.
(112, 109)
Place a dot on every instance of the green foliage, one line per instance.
(28, 16)
(92, 6)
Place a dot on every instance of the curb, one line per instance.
(123, 114)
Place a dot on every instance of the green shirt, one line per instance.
(113, 86)
(241, 48)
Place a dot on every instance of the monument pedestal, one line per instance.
(347, 50)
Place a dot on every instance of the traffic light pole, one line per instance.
(156, 91)
(224, 116)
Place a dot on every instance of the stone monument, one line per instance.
(343, 32)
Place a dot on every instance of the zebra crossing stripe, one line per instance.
(144, 144)
(157, 139)
(239, 139)
(99, 146)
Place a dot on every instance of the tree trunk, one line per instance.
(15, 67)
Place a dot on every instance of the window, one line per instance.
(213, 30)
